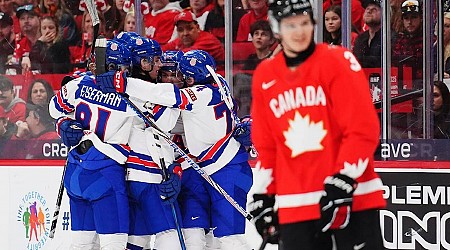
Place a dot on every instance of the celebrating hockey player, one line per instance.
(316, 129)
(208, 125)
(149, 215)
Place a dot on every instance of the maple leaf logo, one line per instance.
(355, 170)
(303, 135)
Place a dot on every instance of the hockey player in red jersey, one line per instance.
(316, 129)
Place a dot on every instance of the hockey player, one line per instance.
(316, 129)
(208, 125)
(96, 126)
(149, 215)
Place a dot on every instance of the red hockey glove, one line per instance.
(336, 204)
(112, 81)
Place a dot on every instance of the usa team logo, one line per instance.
(34, 216)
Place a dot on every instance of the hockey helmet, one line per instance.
(193, 64)
(117, 55)
(170, 60)
(126, 37)
(144, 48)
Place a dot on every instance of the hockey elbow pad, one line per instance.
(112, 81)
(69, 130)
(336, 203)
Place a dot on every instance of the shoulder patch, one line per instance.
(64, 91)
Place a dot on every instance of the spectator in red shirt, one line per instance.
(8, 7)
(30, 26)
(159, 23)
(191, 37)
(13, 107)
(258, 11)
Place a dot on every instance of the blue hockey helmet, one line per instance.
(117, 55)
(126, 37)
(170, 60)
(193, 64)
(144, 48)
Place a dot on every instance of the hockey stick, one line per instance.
(166, 177)
(191, 163)
(58, 204)
(91, 7)
(226, 97)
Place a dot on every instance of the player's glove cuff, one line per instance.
(336, 203)
(112, 81)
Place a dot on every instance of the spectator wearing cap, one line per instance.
(160, 22)
(67, 27)
(7, 41)
(13, 107)
(258, 11)
(191, 37)
(28, 16)
(367, 47)
(407, 48)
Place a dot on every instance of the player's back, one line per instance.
(105, 114)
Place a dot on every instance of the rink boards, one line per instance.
(417, 215)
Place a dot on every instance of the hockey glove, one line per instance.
(69, 130)
(170, 188)
(265, 217)
(336, 204)
(242, 132)
(112, 81)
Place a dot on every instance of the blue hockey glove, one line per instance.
(69, 130)
(112, 81)
(170, 188)
(336, 204)
(242, 132)
(265, 217)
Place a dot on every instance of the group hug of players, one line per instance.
(119, 195)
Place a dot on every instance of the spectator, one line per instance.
(129, 23)
(446, 44)
(258, 11)
(215, 22)
(332, 26)
(367, 47)
(7, 130)
(201, 9)
(441, 107)
(7, 41)
(13, 107)
(114, 18)
(28, 16)
(191, 37)
(40, 92)
(7, 7)
(38, 124)
(81, 52)
(50, 54)
(66, 22)
(357, 12)
(407, 49)
(263, 39)
(160, 23)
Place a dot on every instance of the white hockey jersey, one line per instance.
(106, 118)
(208, 123)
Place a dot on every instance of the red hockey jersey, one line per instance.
(313, 122)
